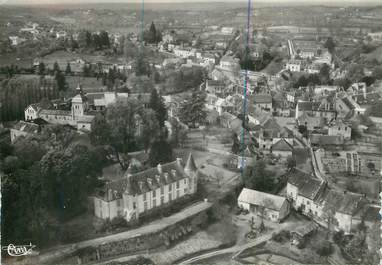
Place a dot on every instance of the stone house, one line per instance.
(271, 207)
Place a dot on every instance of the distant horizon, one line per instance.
(262, 2)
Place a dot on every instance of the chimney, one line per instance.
(110, 194)
(150, 181)
(140, 183)
(159, 167)
(157, 177)
(179, 161)
(166, 176)
(364, 90)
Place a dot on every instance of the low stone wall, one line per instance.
(143, 242)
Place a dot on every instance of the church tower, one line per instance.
(192, 172)
(78, 104)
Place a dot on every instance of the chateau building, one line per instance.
(136, 194)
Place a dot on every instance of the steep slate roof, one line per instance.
(282, 145)
(307, 186)
(255, 197)
(190, 165)
(146, 180)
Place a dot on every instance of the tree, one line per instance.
(236, 144)
(41, 68)
(141, 67)
(61, 82)
(56, 68)
(152, 35)
(71, 175)
(86, 70)
(121, 118)
(355, 72)
(104, 39)
(68, 69)
(342, 82)
(330, 45)
(303, 130)
(377, 72)
(157, 104)
(324, 74)
(150, 127)
(100, 134)
(371, 166)
(258, 177)
(193, 112)
(291, 162)
(160, 152)
(323, 248)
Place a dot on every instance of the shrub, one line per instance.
(281, 236)
(338, 237)
(324, 248)
(118, 222)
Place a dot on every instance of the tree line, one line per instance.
(16, 95)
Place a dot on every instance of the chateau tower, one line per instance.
(192, 172)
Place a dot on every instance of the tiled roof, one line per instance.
(348, 103)
(262, 98)
(348, 203)
(307, 186)
(27, 127)
(306, 229)
(326, 139)
(55, 112)
(307, 105)
(267, 200)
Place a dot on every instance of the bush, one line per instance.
(118, 222)
(338, 237)
(324, 248)
(282, 236)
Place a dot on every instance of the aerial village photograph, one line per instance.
(163, 132)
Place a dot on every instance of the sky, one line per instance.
(27, 2)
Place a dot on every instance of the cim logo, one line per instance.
(21, 250)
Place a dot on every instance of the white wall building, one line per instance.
(137, 194)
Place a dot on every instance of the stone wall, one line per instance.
(143, 242)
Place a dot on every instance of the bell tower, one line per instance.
(78, 104)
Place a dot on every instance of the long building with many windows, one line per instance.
(136, 194)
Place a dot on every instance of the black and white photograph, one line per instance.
(191, 132)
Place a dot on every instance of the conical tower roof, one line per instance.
(190, 165)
